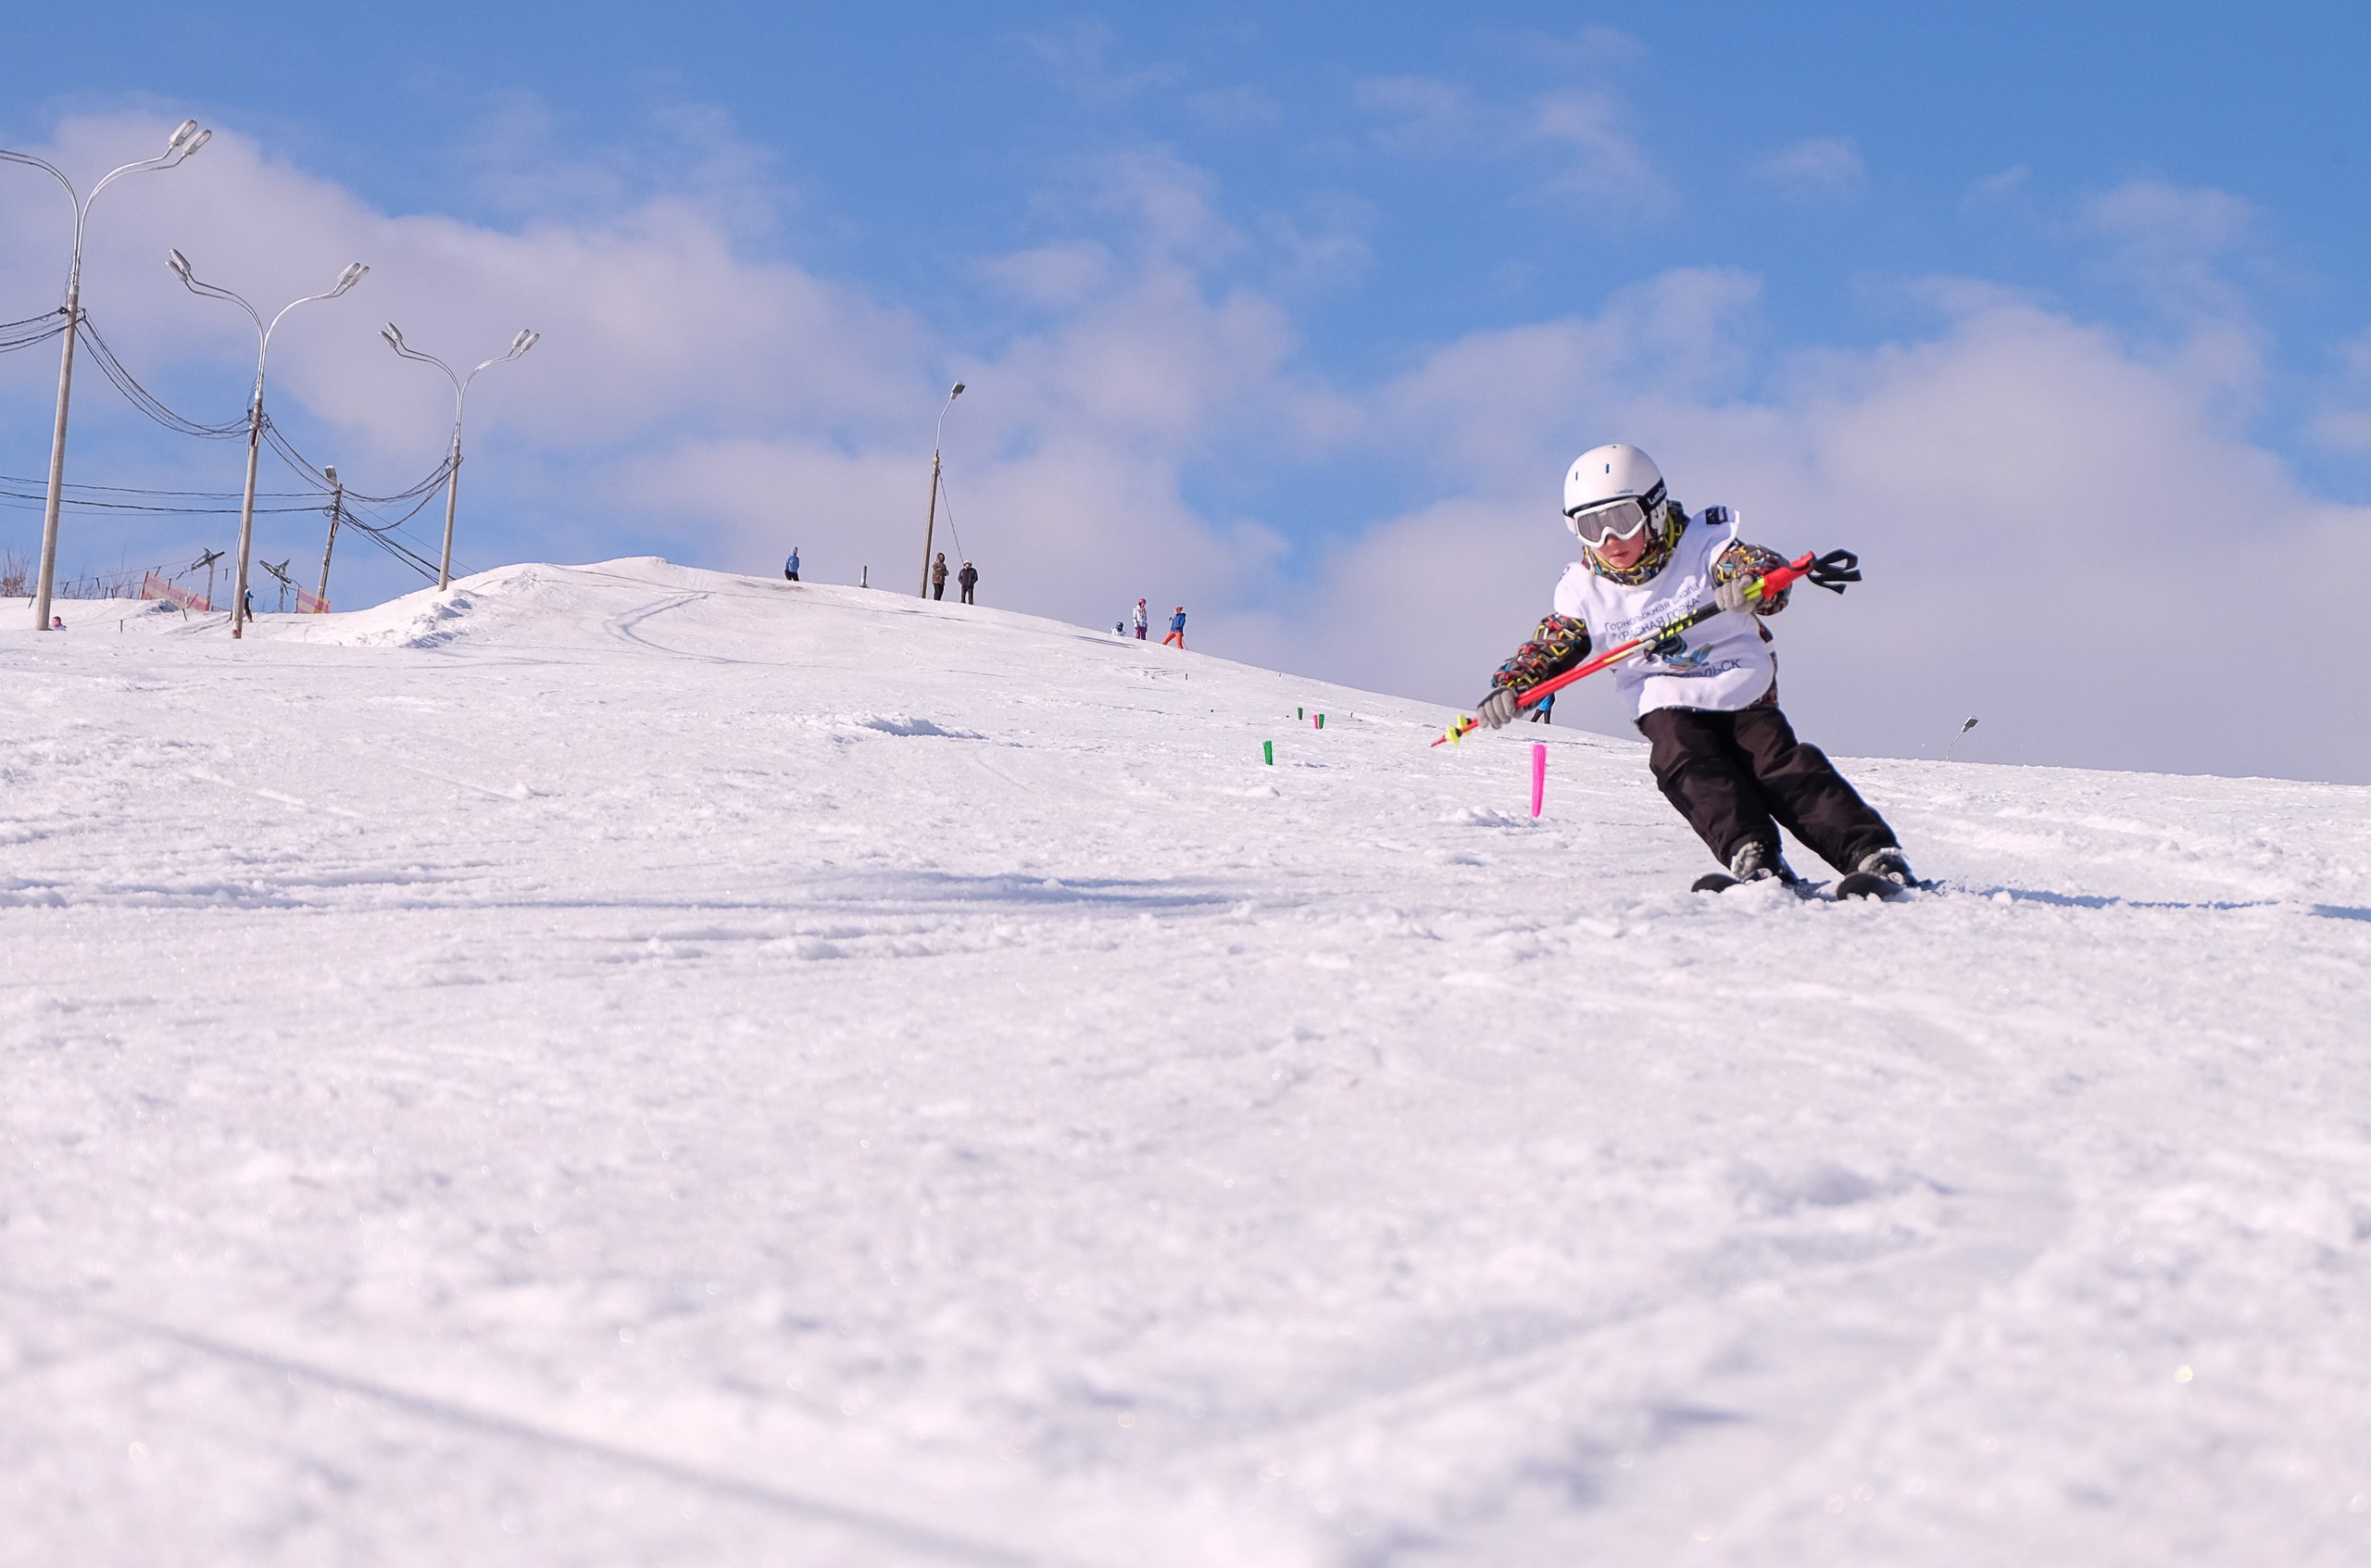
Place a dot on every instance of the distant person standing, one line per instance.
(790, 567)
(1142, 621)
(1176, 630)
(938, 576)
(969, 578)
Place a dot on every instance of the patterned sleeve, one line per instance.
(1561, 642)
(1740, 560)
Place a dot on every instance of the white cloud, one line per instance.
(1419, 114)
(2343, 424)
(2355, 355)
(1599, 164)
(1079, 57)
(2178, 242)
(1485, 406)
(1579, 143)
(2342, 430)
(1822, 169)
(2165, 219)
(1325, 244)
(2007, 182)
(1054, 276)
(529, 167)
(2046, 514)
(1594, 48)
(1165, 206)
(2180, 247)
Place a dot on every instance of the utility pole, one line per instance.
(930, 527)
(337, 504)
(207, 560)
(186, 141)
(279, 571)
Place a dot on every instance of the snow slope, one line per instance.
(624, 1065)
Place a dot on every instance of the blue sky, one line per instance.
(1287, 311)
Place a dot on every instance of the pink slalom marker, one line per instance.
(1538, 774)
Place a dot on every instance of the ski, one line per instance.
(1831, 571)
(1855, 886)
(1869, 885)
(1721, 881)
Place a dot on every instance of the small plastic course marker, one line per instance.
(1268, 752)
(1538, 774)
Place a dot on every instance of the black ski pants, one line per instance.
(1743, 775)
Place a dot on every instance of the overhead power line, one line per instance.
(357, 511)
(31, 330)
(145, 401)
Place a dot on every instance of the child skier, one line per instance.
(1143, 619)
(1176, 637)
(1706, 699)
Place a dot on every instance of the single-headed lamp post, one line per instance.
(180, 148)
(352, 274)
(520, 344)
(930, 524)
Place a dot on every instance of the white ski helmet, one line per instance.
(1612, 472)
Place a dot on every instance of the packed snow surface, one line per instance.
(631, 1065)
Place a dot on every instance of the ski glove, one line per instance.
(1730, 596)
(1500, 708)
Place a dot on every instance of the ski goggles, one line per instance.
(1624, 516)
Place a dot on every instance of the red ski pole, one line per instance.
(1831, 571)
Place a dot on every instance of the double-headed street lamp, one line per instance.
(930, 524)
(520, 344)
(352, 275)
(183, 145)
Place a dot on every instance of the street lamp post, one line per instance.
(186, 141)
(352, 274)
(930, 524)
(520, 344)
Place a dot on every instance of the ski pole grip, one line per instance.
(1834, 569)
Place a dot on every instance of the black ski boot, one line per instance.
(1882, 873)
(1754, 862)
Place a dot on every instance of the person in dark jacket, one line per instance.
(969, 579)
(938, 576)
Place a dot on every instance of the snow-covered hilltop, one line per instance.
(629, 1064)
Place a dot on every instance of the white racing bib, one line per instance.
(1722, 663)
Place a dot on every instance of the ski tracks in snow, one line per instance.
(898, 1112)
(1683, 1409)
